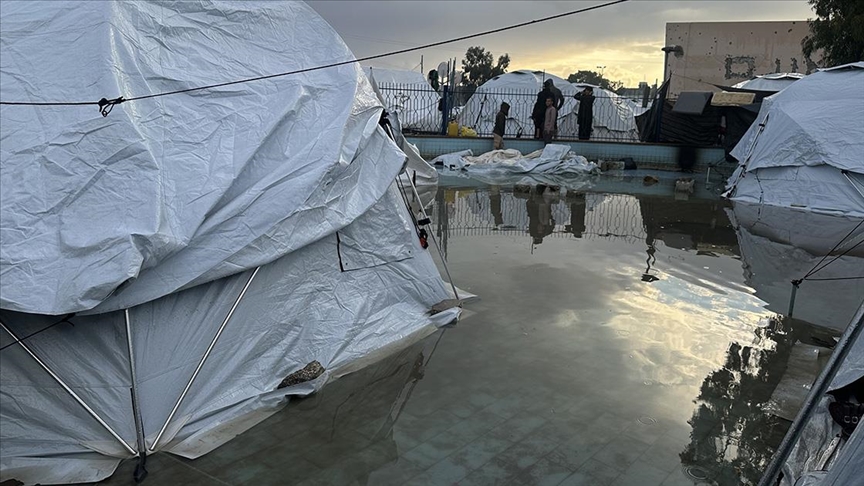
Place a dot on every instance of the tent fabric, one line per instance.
(246, 168)
(769, 82)
(168, 207)
(613, 116)
(552, 160)
(808, 134)
(408, 94)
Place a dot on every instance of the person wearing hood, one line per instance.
(585, 115)
(538, 114)
(500, 127)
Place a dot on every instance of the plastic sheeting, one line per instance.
(804, 137)
(209, 182)
(553, 160)
(613, 116)
(168, 205)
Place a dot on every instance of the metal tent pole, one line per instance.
(69, 390)
(140, 470)
(203, 359)
(820, 387)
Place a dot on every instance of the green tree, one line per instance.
(478, 66)
(838, 31)
(591, 77)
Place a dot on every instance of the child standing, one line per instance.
(550, 120)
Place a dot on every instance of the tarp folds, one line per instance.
(806, 148)
(169, 205)
(553, 159)
(209, 182)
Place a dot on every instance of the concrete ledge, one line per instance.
(646, 155)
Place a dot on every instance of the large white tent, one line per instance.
(166, 267)
(806, 149)
(613, 117)
(408, 94)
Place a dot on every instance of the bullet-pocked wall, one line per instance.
(727, 53)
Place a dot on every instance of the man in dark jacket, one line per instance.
(538, 114)
(500, 127)
(585, 115)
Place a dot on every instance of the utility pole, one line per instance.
(422, 71)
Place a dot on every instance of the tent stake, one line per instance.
(69, 390)
(203, 359)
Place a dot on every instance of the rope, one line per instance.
(61, 321)
(817, 267)
(106, 105)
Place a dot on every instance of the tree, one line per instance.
(838, 31)
(478, 66)
(591, 77)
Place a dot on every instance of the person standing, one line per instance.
(538, 113)
(585, 115)
(557, 97)
(500, 127)
(550, 121)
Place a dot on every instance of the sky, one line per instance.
(625, 38)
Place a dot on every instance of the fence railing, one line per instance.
(422, 110)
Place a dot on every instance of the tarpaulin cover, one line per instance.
(613, 117)
(803, 138)
(553, 159)
(167, 206)
(770, 82)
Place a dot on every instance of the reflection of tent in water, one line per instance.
(779, 245)
(408, 94)
(212, 243)
(613, 117)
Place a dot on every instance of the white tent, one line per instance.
(408, 94)
(770, 82)
(209, 243)
(613, 117)
(806, 149)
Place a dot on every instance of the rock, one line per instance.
(650, 180)
(308, 373)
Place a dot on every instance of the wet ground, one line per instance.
(616, 341)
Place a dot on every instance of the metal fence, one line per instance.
(422, 110)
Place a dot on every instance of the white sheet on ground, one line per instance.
(553, 159)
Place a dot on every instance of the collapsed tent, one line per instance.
(769, 82)
(172, 271)
(408, 94)
(613, 117)
(806, 149)
(553, 159)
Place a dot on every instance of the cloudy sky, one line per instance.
(626, 38)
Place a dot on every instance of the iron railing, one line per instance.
(423, 110)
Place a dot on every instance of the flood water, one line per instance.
(618, 339)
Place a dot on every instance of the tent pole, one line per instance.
(141, 469)
(69, 390)
(203, 359)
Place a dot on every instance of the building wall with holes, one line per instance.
(727, 53)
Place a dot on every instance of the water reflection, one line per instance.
(732, 435)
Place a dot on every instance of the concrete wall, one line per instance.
(727, 53)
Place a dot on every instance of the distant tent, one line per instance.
(220, 249)
(613, 117)
(408, 94)
(807, 148)
(769, 82)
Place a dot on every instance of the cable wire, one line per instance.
(105, 105)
